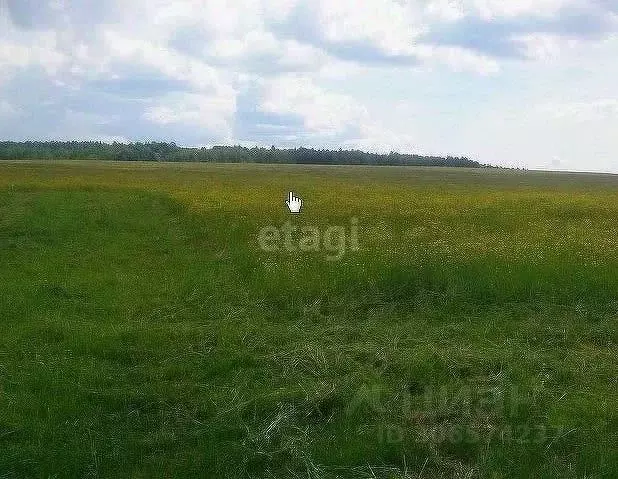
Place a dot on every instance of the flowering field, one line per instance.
(414, 322)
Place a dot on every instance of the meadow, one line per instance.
(144, 332)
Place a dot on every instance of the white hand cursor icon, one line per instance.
(294, 203)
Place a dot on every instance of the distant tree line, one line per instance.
(159, 151)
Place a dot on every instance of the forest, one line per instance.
(161, 151)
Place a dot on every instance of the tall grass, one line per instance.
(144, 333)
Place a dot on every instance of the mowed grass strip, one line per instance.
(144, 333)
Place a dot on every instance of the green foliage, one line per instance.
(157, 151)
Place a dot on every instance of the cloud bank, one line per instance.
(503, 81)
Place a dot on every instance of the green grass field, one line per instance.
(144, 332)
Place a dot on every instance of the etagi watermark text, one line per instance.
(336, 241)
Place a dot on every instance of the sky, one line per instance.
(516, 83)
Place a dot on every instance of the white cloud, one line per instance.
(387, 24)
(543, 46)
(330, 116)
(580, 111)
(457, 59)
(322, 112)
(299, 56)
(445, 10)
(6, 109)
(40, 49)
(211, 112)
(490, 9)
(377, 139)
(451, 10)
(200, 75)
